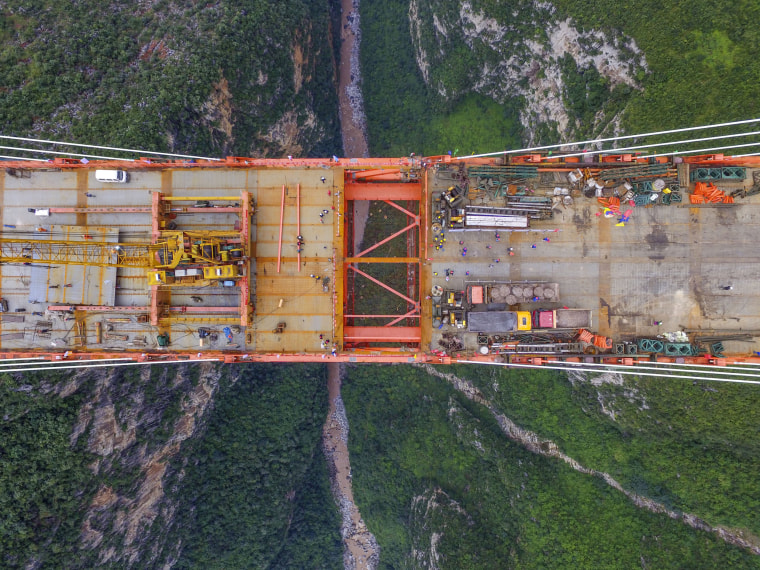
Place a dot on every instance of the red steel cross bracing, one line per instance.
(412, 215)
(384, 286)
(389, 238)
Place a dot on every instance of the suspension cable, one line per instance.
(26, 139)
(88, 365)
(698, 150)
(639, 366)
(624, 137)
(23, 158)
(65, 153)
(631, 373)
(686, 141)
(54, 363)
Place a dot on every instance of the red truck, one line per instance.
(562, 318)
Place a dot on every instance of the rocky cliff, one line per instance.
(567, 79)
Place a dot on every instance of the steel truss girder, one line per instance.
(390, 331)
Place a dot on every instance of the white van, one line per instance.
(111, 176)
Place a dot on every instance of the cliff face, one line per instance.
(564, 76)
(86, 457)
(154, 466)
(135, 422)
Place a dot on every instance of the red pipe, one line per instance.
(298, 222)
(282, 215)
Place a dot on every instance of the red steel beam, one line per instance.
(229, 162)
(282, 217)
(382, 316)
(382, 334)
(101, 210)
(298, 221)
(413, 314)
(359, 174)
(381, 260)
(188, 309)
(141, 210)
(382, 191)
(383, 285)
(155, 214)
(412, 215)
(245, 239)
(389, 238)
(244, 301)
(145, 309)
(154, 305)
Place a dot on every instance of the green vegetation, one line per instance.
(403, 115)
(43, 480)
(426, 460)
(255, 489)
(251, 491)
(702, 58)
(475, 124)
(693, 447)
(209, 78)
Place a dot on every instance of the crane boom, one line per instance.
(166, 254)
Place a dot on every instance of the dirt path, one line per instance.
(360, 547)
(353, 122)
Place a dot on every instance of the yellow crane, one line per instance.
(165, 254)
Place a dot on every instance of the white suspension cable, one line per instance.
(24, 158)
(686, 141)
(106, 147)
(580, 367)
(61, 367)
(753, 366)
(54, 363)
(638, 366)
(592, 141)
(65, 153)
(698, 150)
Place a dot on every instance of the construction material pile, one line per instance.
(707, 192)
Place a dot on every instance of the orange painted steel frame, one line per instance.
(385, 186)
(385, 170)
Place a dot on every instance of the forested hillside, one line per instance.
(142, 467)
(444, 486)
(196, 467)
(437, 475)
(191, 466)
(212, 78)
(547, 72)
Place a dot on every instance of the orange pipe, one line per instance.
(298, 222)
(282, 216)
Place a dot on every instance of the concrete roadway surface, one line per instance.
(668, 263)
